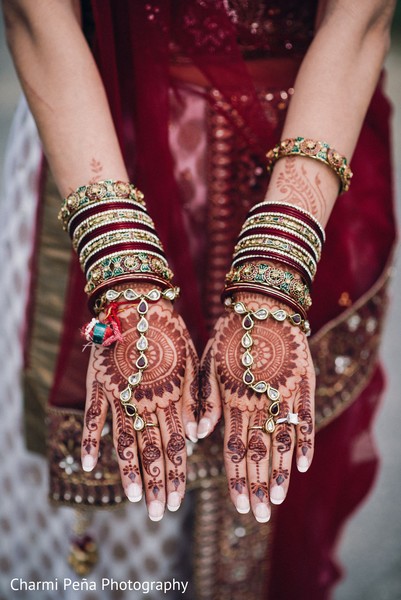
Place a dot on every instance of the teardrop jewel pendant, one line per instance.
(143, 307)
(125, 395)
(269, 425)
(139, 423)
(246, 341)
(143, 325)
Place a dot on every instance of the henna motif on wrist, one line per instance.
(295, 186)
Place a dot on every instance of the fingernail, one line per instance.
(262, 513)
(242, 504)
(173, 501)
(204, 427)
(156, 510)
(192, 429)
(303, 464)
(277, 494)
(88, 463)
(134, 492)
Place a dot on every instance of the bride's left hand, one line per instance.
(258, 464)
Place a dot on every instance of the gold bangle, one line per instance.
(313, 149)
(96, 192)
(93, 222)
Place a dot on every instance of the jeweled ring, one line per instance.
(267, 427)
(139, 422)
(291, 419)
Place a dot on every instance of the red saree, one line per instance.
(292, 556)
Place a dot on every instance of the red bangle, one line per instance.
(98, 209)
(291, 211)
(112, 226)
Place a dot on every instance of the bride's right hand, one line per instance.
(153, 459)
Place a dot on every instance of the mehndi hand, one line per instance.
(258, 463)
(150, 444)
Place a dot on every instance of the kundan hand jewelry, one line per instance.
(97, 332)
(249, 318)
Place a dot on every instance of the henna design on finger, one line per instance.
(236, 448)
(151, 454)
(125, 439)
(258, 450)
(295, 185)
(283, 444)
(305, 416)
(175, 445)
(194, 385)
(205, 388)
(92, 416)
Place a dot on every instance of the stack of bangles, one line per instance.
(117, 246)
(277, 253)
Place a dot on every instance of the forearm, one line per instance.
(64, 90)
(332, 93)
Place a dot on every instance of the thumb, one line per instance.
(209, 394)
(190, 405)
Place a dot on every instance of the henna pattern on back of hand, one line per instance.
(279, 352)
(160, 389)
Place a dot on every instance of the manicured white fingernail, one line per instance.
(173, 501)
(262, 513)
(134, 492)
(277, 494)
(192, 429)
(242, 504)
(303, 464)
(88, 463)
(156, 510)
(204, 427)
